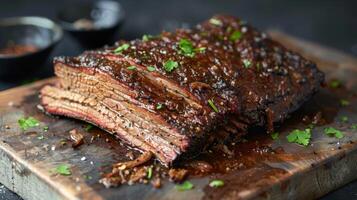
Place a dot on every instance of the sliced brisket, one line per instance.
(174, 93)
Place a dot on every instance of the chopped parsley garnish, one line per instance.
(149, 173)
(187, 185)
(121, 48)
(344, 119)
(216, 183)
(62, 169)
(235, 36)
(151, 68)
(41, 137)
(186, 48)
(215, 21)
(335, 84)
(88, 127)
(274, 135)
(26, 123)
(333, 132)
(87, 177)
(158, 106)
(201, 49)
(258, 66)
(45, 128)
(344, 102)
(211, 103)
(147, 37)
(170, 65)
(131, 67)
(300, 136)
(246, 63)
(354, 127)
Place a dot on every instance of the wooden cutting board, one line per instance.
(291, 172)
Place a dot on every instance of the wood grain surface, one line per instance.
(291, 172)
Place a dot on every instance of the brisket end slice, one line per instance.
(224, 77)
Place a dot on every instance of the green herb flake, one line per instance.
(46, 128)
(147, 37)
(344, 119)
(274, 135)
(62, 169)
(187, 185)
(211, 103)
(216, 183)
(335, 84)
(235, 36)
(149, 173)
(186, 48)
(300, 136)
(354, 127)
(41, 137)
(332, 132)
(201, 49)
(158, 106)
(26, 123)
(215, 21)
(247, 63)
(344, 102)
(258, 66)
(170, 65)
(151, 68)
(88, 127)
(87, 177)
(121, 48)
(131, 67)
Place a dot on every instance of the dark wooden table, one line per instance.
(328, 22)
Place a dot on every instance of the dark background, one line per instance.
(327, 22)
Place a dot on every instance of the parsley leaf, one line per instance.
(63, 169)
(335, 84)
(158, 106)
(45, 128)
(149, 173)
(200, 49)
(41, 137)
(186, 48)
(235, 36)
(344, 102)
(344, 119)
(215, 21)
(131, 67)
(300, 136)
(151, 68)
(88, 127)
(216, 183)
(333, 132)
(170, 65)
(211, 103)
(184, 186)
(147, 37)
(121, 48)
(247, 63)
(26, 123)
(274, 135)
(354, 127)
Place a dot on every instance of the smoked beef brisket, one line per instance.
(172, 94)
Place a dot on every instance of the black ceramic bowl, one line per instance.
(38, 34)
(93, 24)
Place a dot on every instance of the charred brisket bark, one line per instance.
(174, 93)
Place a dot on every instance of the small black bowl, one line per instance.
(39, 35)
(93, 24)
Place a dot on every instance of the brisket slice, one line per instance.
(232, 77)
